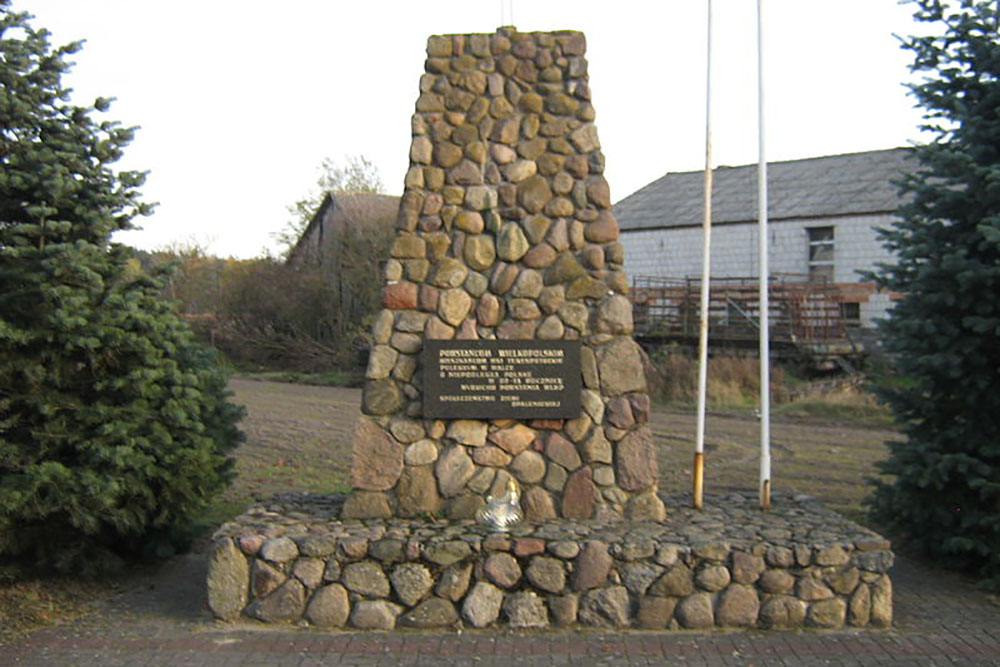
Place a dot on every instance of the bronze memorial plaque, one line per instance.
(502, 379)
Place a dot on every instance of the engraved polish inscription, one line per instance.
(502, 379)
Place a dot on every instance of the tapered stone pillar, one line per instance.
(505, 232)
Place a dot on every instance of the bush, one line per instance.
(942, 485)
(114, 425)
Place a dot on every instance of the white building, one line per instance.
(823, 217)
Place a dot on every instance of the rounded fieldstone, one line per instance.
(620, 367)
(859, 606)
(635, 461)
(827, 614)
(380, 362)
(489, 311)
(365, 578)
(563, 452)
(388, 550)
(596, 448)
(329, 607)
(695, 611)
(551, 328)
(382, 397)
(523, 309)
(366, 505)
(512, 244)
(540, 256)
(502, 569)
(782, 611)
(655, 613)
(605, 607)
(525, 609)
(645, 507)
(534, 193)
(514, 439)
(431, 613)
(777, 582)
(592, 566)
(579, 495)
(564, 609)
(844, 581)
(831, 556)
(555, 477)
(454, 581)
(453, 469)
(738, 606)
(453, 306)
(406, 431)
(283, 605)
(481, 606)
(528, 467)
(228, 574)
(447, 553)
(881, 614)
(377, 460)
(449, 272)
(490, 456)
(520, 170)
(264, 579)
(712, 577)
(677, 582)
(279, 550)
(528, 285)
(585, 139)
(417, 492)
(479, 251)
(374, 615)
(565, 269)
(777, 556)
(810, 590)
(614, 315)
(412, 582)
(468, 432)
(420, 453)
(639, 575)
(538, 505)
(547, 574)
(309, 571)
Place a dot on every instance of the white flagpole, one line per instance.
(699, 454)
(765, 331)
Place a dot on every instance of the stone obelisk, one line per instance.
(505, 233)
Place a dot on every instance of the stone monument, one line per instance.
(504, 347)
(503, 363)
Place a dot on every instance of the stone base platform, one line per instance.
(730, 565)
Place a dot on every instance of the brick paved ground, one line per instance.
(940, 620)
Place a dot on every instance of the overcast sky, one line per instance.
(239, 100)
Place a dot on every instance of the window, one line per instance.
(851, 312)
(820, 254)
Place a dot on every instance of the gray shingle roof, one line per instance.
(835, 185)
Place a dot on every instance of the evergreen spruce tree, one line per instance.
(944, 491)
(114, 425)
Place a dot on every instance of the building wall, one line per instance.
(677, 252)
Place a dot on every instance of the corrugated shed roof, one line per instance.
(835, 185)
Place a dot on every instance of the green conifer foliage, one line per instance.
(944, 489)
(114, 425)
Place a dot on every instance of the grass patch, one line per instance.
(853, 405)
(332, 378)
(733, 381)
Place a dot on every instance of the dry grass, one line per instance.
(733, 381)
